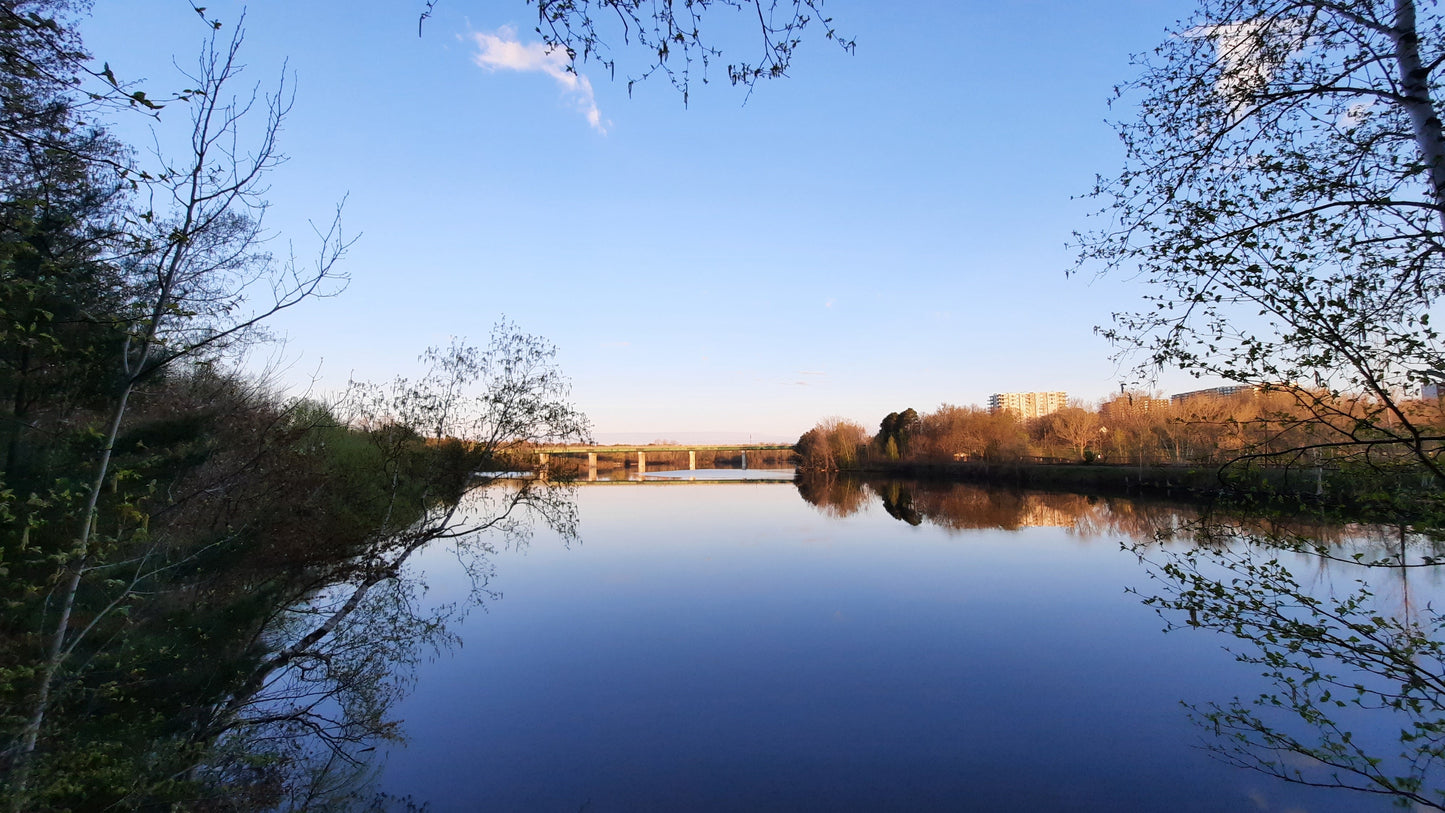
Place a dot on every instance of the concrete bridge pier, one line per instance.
(641, 462)
(591, 467)
(745, 459)
(691, 460)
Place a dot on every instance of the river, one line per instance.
(734, 647)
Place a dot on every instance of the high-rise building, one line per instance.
(1028, 404)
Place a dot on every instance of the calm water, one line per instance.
(735, 647)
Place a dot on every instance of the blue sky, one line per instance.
(879, 230)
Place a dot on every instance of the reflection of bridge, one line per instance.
(545, 452)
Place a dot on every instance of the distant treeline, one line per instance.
(1270, 436)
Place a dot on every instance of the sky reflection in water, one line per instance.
(735, 648)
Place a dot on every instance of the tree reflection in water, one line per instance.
(1353, 660)
(834, 494)
(965, 507)
(273, 620)
(300, 729)
(1356, 675)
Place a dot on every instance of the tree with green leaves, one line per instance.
(62, 198)
(1284, 197)
(896, 432)
(437, 454)
(175, 620)
(194, 276)
(251, 645)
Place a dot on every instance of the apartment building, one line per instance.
(1213, 392)
(1132, 404)
(1028, 404)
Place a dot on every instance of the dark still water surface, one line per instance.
(734, 647)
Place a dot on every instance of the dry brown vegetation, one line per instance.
(1280, 427)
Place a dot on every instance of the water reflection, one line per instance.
(962, 507)
(1338, 619)
(835, 495)
(716, 476)
(726, 648)
(1354, 658)
(300, 726)
(304, 735)
(959, 507)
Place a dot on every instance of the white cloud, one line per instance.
(1248, 53)
(502, 51)
(1355, 115)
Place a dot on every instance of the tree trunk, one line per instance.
(55, 654)
(1415, 83)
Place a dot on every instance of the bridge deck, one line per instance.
(680, 447)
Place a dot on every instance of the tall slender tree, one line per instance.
(197, 275)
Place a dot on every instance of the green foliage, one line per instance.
(1284, 196)
(234, 526)
(241, 560)
(896, 432)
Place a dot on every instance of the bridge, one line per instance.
(592, 451)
